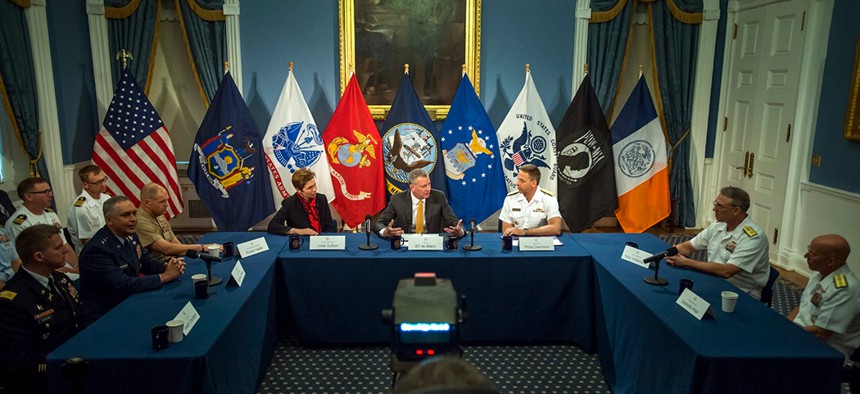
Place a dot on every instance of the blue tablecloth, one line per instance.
(226, 352)
(338, 296)
(647, 343)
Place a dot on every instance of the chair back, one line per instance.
(767, 291)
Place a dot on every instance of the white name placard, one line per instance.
(423, 241)
(693, 304)
(238, 273)
(252, 247)
(536, 244)
(635, 256)
(189, 315)
(328, 242)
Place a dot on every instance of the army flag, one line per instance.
(641, 170)
(526, 136)
(227, 165)
(292, 141)
(410, 141)
(471, 153)
(354, 153)
(586, 177)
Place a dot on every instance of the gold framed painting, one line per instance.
(852, 116)
(436, 38)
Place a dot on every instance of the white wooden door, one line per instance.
(764, 76)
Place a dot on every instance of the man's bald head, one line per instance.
(836, 246)
(150, 191)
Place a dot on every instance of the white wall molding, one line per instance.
(580, 43)
(49, 124)
(100, 49)
(234, 42)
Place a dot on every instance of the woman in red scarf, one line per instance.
(305, 212)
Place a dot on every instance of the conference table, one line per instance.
(648, 343)
(227, 351)
(581, 293)
(337, 296)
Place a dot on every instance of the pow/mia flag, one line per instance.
(586, 175)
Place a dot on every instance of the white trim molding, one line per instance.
(234, 42)
(580, 43)
(100, 49)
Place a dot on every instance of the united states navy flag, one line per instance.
(471, 153)
(226, 163)
(410, 141)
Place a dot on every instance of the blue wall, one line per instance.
(73, 78)
(513, 33)
(837, 169)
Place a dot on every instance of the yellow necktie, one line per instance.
(419, 218)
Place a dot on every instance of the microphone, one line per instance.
(368, 245)
(659, 256)
(208, 259)
(657, 281)
(202, 256)
(471, 246)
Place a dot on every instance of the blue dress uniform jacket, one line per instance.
(111, 271)
(33, 322)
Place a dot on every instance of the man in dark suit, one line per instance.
(39, 310)
(305, 212)
(115, 261)
(419, 210)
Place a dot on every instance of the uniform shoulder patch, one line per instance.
(20, 219)
(7, 294)
(839, 281)
(49, 210)
(80, 201)
(750, 232)
(513, 193)
(547, 192)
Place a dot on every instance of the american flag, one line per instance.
(133, 147)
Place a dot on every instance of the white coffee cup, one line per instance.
(175, 333)
(730, 298)
(214, 251)
(198, 277)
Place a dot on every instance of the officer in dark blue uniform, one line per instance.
(116, 264)
(39, 310)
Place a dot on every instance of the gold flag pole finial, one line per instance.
(464, 69)
(291, 65)
(226, 66)
(406, 68)
(640, 70)
(124, 56)
(585, 68)
(528, 68)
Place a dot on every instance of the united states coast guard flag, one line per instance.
(292, 141)
(526, 136)
(586, 181)
(410, 141)
(641, 172)
(133, 147)
(471, 153)
(226, 163)
(353, 148)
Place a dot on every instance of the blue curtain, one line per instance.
(607, 43)
(135, 30)
(18, 83)
(206, 33)
(676, 46)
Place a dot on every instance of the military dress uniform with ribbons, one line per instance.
(833, 303)
(85, 218)
(35, 320)
(524, 214)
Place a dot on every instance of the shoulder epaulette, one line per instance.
(49, 210)
(750, 232)
(20, 219)
(80, 202)
(513, 193)
(7, 294)
(547, 192)
(839, 281)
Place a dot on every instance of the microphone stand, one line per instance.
(368, 245)
(655, 280)
(471, 246)
(213, 280)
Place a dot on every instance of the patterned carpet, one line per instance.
(514, 369)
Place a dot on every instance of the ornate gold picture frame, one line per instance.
(852, 117)
(435, 37)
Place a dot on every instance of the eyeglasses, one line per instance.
(721, 206)
(98, 182)
(45, 192)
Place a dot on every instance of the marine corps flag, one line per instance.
(410, 141)
(471, 154)
(641, 171)
(354, 153)
(586, 176)
(227, 165)
(292, 141)
(526, 136)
